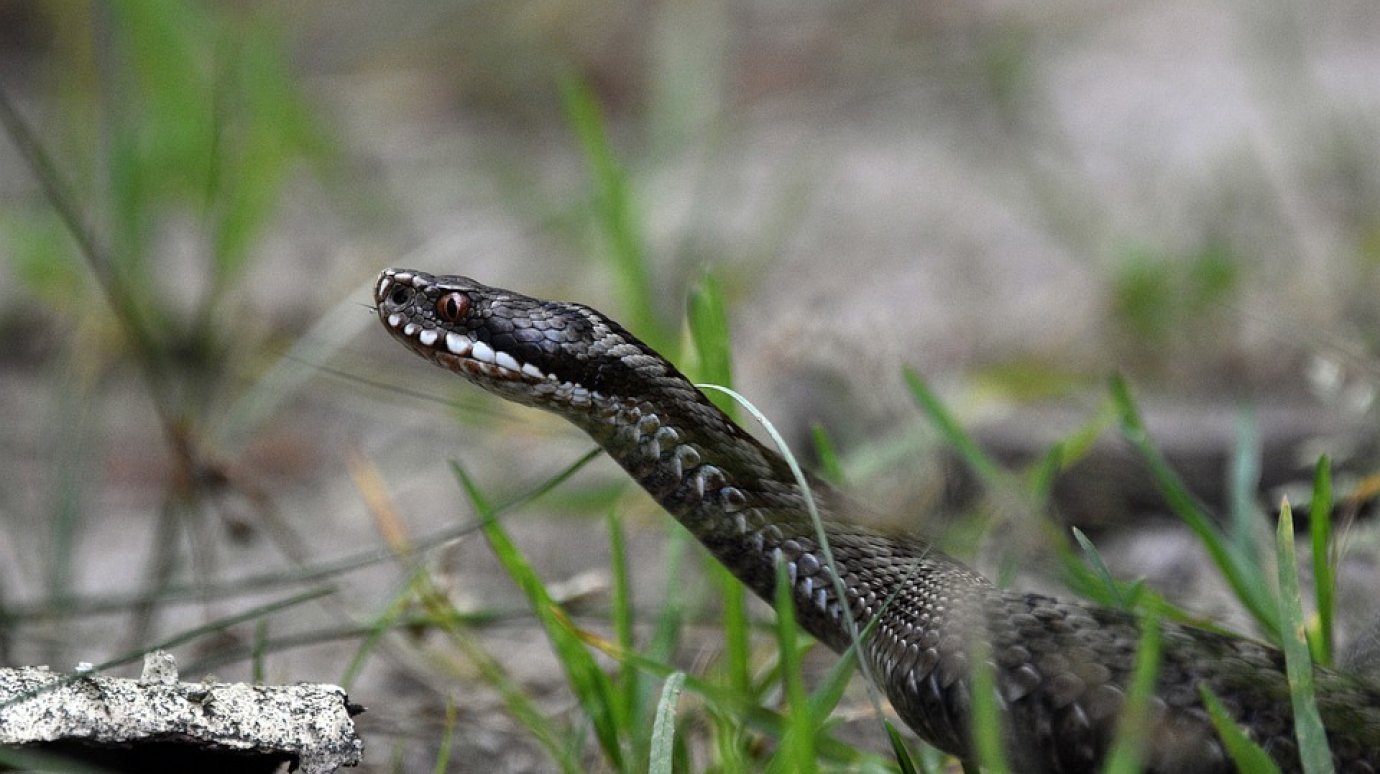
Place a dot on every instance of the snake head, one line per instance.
(557, 355)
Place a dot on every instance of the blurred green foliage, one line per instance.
(171, 116)
(1157, 296)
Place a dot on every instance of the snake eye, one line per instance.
(452, 306)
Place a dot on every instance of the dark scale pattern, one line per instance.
(1062, 668)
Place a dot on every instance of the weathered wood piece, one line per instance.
(158, 723)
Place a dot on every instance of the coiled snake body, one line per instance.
(1061, 667)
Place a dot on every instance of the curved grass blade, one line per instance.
(803, 482)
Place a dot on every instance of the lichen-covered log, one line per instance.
(158, 723)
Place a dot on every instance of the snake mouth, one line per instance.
(411, 305)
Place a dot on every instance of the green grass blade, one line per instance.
(829, 692)
(707, 316)
(447, 740)
(1069, 451)
(1245, 753)
(830, 467)
(666, 632)
(592, 688)
(1080, 443)
(986, 718)
(259, 653)
(629, 680)
(550, 483)
(732, 743)
(219, 626)
(614, 213)
(517, 703)
(1100, 571)
(440, 613)
(622, 602)
(1042, 475)
(991, 474)
(797, 750)
(1308, 727)
(664, 728)
(736, 628)
(1246, 579)
(904, 761)
(1245, 480)
(1324, 582)
(382, 624)
(1133, 729)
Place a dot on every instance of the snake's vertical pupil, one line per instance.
(452, 306)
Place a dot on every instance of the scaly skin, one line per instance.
(1062, 668)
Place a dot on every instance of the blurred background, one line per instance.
(199, 413)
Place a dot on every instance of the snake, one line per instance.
(1061, 670)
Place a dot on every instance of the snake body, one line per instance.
(1061, 668)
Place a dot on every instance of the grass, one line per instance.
(1312, 738)
(195, 128)
(202, 121)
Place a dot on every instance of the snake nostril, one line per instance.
(400, 295)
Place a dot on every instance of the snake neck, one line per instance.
(695, 461)
(737, 497)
